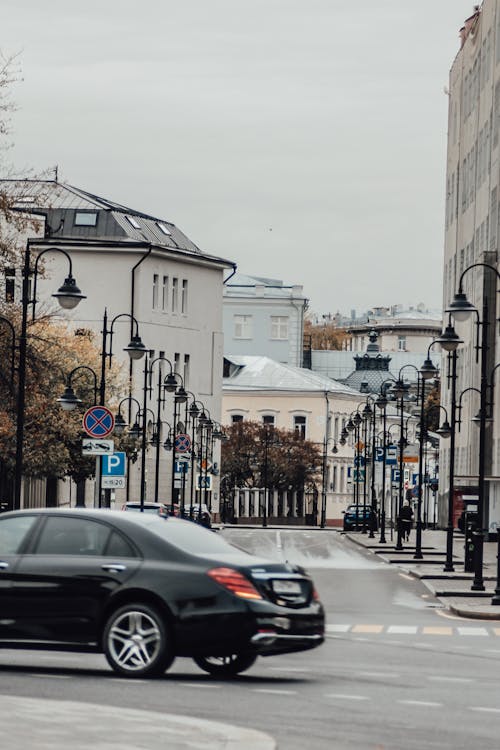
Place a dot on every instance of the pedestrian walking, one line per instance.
(406, 519)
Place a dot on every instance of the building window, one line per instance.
(164, 294)
(242, 326)
(299, 425)
(184, 296)
(235, 418)
(10, 284)
(177, 358)
(85, 219)
(401, 343)
(175, 292)
(268, 419)
(155, 291)
(185, 376)
(334, 480)
(279, 327)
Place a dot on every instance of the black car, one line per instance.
(145, 589)
(355, 516)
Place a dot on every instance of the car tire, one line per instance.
(225, 666)
(137, 642)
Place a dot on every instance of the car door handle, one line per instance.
(3, 565)
(114, 567)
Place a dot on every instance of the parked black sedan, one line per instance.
(145, 589)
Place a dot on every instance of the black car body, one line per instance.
(144, 589)
(357, 516)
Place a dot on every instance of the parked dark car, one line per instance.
(199, 513)
(354, 515)
(144, 589)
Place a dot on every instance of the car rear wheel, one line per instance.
(225, 666)
(137, 642)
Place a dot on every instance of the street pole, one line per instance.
(448, 566)
(365, 440)
(399, 540)
(21, 382)
(418, 543)
(144, 432)
(478, 582)
(382, 515)
(372, 476)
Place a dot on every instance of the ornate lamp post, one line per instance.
(68, 295)
(461, 309)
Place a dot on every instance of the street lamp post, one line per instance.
(68, 295)
(381, 403)
(449, 341)
(461, 309)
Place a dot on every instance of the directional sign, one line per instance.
(98, 422)
(93, 447)
(182, 443)
(114, 465)
(359, 460)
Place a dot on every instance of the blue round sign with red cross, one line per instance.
(98, 422)
(182, 443)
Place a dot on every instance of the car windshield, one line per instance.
(187, 536)
(147, 508)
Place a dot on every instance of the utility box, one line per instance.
(470, 523)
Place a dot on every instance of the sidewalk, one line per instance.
(453, 589)
(57, 725)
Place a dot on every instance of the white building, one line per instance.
(133, 264)
(264, 317)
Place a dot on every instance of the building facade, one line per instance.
(471, 239)
(258, 389)
(132, 265)
(264, 317)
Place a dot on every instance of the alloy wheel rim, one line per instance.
(134, 640)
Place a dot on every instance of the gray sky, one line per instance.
(303, 139)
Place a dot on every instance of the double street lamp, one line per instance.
(68, 295)
(461, 309)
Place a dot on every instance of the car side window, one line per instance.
(62, 535)
(13, 532)
(118, 546)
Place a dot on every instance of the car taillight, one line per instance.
(315, 594)
(234, 582)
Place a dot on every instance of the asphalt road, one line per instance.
(396, 671)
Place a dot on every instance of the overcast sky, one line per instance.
(303, 139)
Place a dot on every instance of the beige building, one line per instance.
(259, 389)
(471, 238)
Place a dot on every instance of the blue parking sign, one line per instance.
(113, 465)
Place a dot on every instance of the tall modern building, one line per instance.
(471, 245)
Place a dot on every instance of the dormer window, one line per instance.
(85, 218)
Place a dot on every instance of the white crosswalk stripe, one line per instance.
(376, 630)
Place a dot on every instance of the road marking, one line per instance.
(274, 692)
(437, 631)
(205, 685)
(343, 696)
(367, 629)
(402, 629)
(485, 709)
(426, 704)
(337, 628)
(278, 540)
(472, 631)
